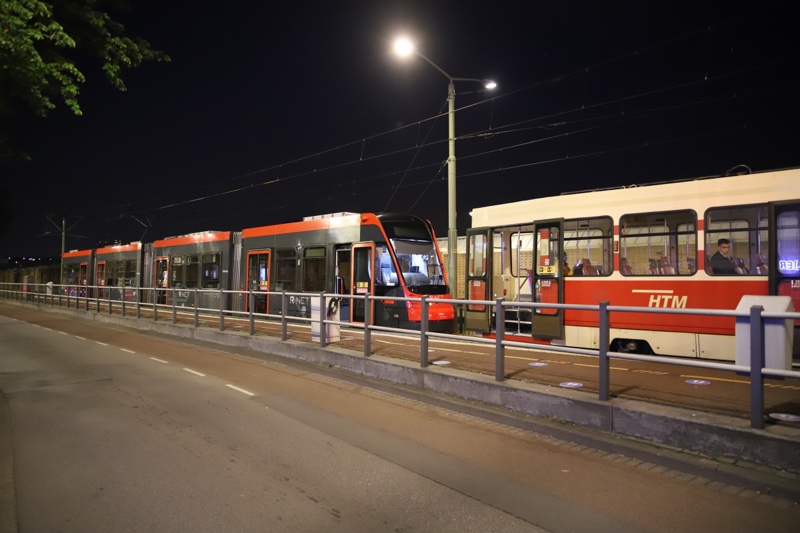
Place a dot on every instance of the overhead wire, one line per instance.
(495, 130)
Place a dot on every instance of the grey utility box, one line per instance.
(778, 332)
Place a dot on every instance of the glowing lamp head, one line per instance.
(403, 47)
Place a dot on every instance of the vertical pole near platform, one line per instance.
(221, 309)
(423, 337)
(251, 305)
(499, 349)
(322, 315)
(602, 352)
(756, 365)
(284, 310)
(367, 332)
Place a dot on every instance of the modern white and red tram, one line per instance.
(359, 254)
(386, 255)
(642, 246)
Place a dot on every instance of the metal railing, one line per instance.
(95, 298)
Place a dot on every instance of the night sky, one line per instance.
(270, 112)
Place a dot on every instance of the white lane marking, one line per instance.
(101, 343)
(159, 360)
(240, 390)
(79, 337)
(129, 351)
(195, 372)
(63, 332)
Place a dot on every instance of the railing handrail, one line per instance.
(755, 316)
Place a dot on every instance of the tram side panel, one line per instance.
(118, 271)
(655, 246)
(192, 269)
(295, 257)
(315, 256)
(77, 273)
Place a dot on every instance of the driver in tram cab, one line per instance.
(721, 262)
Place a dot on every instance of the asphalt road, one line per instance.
(113, 430)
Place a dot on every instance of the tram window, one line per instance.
(747, 230)
(178, 268)
(587, 244)
(130, 276)
(285, 267)
(477, 262)
(662, 243)
(520, 258)
(211, 271)
(788, 232)
(119, 273)
(70, 274)
(192, 272)
(419, 263)
(385, 269)
(314, 269)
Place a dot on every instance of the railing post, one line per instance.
(250, 305)
(221, 309)
(284, 310)
(174, 307)
(322, 312)
(196, 310)
(367, 331)
(155, 306)
(423, 333)
(602, 352)
(500, 333)
(756, 365)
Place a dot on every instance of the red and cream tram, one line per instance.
(644, 246)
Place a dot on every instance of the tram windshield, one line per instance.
(419, 265)
(412, 242)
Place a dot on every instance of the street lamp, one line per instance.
(404, 48)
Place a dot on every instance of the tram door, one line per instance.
(83, 276)
(362, 280)
(100, 278)
(784, 256)
(547, 278)
(341, 284)
(162, 279)
(480, 248)
(258, 280)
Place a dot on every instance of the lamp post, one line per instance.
(404, 48)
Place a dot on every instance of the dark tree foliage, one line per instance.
(42, 44)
